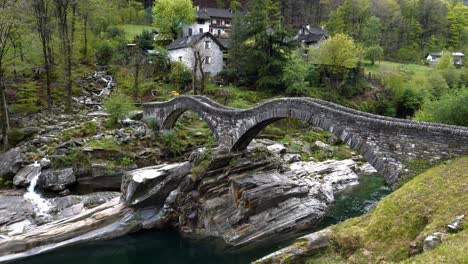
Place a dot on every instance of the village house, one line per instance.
(434, 57)
(210, 48)
(217, 21)
(311, 36)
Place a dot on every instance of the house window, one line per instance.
(190, 32)
(201, 21)
(207, 44)
(218, 21)
(228, 22)
(180, 58)
(211, 30)
(207, 60)
(219, 32)
(213, 21)
(201, 30)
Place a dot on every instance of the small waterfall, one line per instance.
(41, 206)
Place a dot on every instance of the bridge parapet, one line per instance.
(386, 143)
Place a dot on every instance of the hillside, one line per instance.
(395, 229)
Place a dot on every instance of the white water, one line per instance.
(41, 206)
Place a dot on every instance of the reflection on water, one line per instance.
(149, 247)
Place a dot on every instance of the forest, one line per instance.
(373, 60)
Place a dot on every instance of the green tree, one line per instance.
(372, 32)
(373, 53)
(339, 57)
(294, 73)
(458, 24)
(340, 51)
(118, 106)
(450, 109)
(170, 16)
(261, 45)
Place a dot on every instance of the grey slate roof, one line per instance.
(189, 41)
(208, 12)
(312, 34)
(226, 43)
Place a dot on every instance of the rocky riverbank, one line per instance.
(264, 196)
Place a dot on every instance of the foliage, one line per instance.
(104, 53)
(294, 73)
(421, 207)
(180, 74)
(27, 101)
(170, 15)
(450, 109)
(261, 44)
(118, 106)
(373, 53)
(173, 143)
(340, 51)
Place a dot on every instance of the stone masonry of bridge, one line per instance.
(386, 143)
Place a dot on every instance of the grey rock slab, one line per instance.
(57, 179)
(25, 175)
(10, 162)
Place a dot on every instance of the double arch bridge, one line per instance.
(386, 143)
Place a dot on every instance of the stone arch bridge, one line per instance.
(386, 143)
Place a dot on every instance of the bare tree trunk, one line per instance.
(85, 36)
(4, 113)
(43, 28)
(195, 74)
(62, 9)
(137, 74)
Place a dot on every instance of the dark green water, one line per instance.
(149, 247)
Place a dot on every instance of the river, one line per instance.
(149, 247)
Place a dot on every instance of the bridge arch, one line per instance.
(386, 143)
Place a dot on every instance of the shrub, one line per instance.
(118, 106)
(450, 109)
(173, 143)
(180, 74)
(104, 53)
(27, 98)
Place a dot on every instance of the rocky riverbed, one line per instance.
(245, 200)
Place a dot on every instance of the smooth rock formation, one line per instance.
(456, 225)
(10, 163)
(302, 247)
(101, 178)
(57, 180)
(244, 199)
(432, 241)
(24, 176)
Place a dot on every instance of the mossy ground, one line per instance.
(421, 207)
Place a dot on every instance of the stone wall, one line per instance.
(386, 143)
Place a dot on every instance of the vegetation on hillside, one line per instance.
(424, 205)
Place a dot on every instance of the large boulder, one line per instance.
(25, 175)
(102, 178)
(10, 163)
(151, 186)
(57, 180)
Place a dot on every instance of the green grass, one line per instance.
(385, 67)
(421, 207)
(133, 30)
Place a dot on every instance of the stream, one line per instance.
(157, 246)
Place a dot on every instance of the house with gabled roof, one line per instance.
(310, 35)
(210, 49)
(217, 21)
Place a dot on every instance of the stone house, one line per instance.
(311, 36)
(210, 48)
(217, 21)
